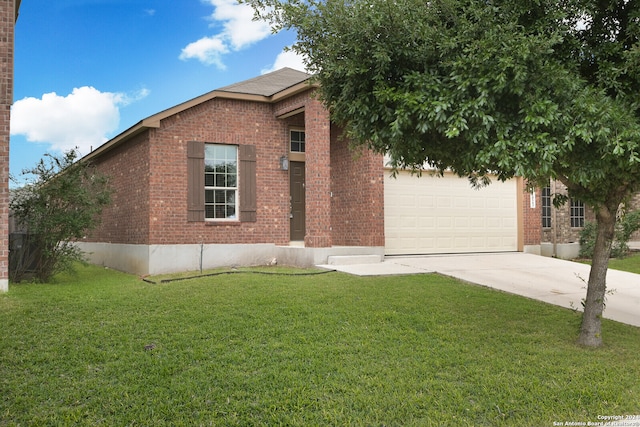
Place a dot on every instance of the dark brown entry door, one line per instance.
(296, 189)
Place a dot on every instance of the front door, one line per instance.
(296, 189)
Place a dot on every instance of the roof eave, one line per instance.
(294, 90)
(114, 142)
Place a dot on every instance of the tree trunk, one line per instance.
(591, 329)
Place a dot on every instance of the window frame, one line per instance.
(546, 207)
(576, 213)
(302, 143)
(222, 188)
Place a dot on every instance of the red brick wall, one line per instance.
(149, 177)
(227, 122)
(290, 104)
(318, 175)
(358, 194)
(7, 25)
(126, 219)
(532, 218)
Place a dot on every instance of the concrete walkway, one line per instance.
(551, 280)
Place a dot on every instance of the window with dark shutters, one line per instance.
(196, 182)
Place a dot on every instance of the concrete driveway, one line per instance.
(551, 280)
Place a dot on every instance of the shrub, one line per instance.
(625, 227)
(63, 202)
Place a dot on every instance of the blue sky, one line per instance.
(86, 70)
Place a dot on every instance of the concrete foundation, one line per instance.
(532, 249)
(561, 250)
(161, 259)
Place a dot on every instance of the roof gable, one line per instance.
(268, 88)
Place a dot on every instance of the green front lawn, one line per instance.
(105, 348)
(630, 263)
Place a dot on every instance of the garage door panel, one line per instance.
(427, 222)
(477, 223)
(461, 203)
(446, 215)
(462, 223)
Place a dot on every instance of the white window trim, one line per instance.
(236, 217)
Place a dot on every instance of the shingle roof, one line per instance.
(268, 84)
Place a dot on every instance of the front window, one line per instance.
(577, 213)
(546, 207)
(220, 181)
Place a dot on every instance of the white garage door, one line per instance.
(428, 215)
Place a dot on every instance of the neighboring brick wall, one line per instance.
(532, 217)
(358, 194)
(7, 26)
(632, 206)
(561, 220)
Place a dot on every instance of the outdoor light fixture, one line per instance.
(284, 163)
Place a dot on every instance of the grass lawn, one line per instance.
(108, 349)
(630, 263)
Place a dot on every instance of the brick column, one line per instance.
(318, 175)
(531, 217)
(7, 25)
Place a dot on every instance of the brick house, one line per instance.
(8, 16)
(560, 227)
(243, 175)
(255, 172)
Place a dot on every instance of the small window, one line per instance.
(546, 207)
(220, 181)
(297, 141)
(577, 213)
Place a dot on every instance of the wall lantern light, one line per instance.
(284, 163)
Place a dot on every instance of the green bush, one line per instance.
(61, 202)
(625, 227)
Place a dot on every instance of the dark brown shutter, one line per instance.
(247, 155)
(195, 181)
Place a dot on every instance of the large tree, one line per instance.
(543, 89)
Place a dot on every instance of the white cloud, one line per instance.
(207, 50)
(239, 27)
(82, 119)
(287, 58)
(239, 31)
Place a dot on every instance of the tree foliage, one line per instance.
(542, 89)
(61, 204)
